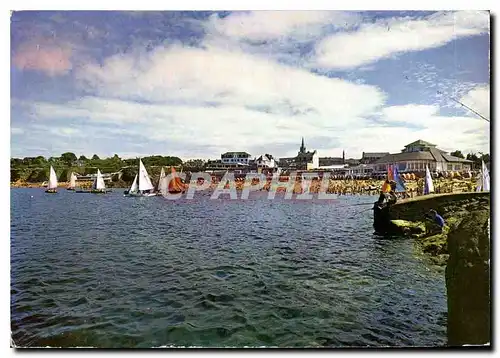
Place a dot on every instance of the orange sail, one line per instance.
(175, 185)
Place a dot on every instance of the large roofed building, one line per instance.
(234, 161)
(372, 157)
(419, 154)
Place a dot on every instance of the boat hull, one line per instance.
(72, 189)
(138, 195)
(176, 191)
(103, 191)
(51, 191)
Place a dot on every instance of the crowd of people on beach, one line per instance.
(341, 185)
(354, 186)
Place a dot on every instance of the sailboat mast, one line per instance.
(139, 177)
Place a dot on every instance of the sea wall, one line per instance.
(455, 205)
(464, 247)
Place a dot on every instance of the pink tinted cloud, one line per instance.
(51, 59)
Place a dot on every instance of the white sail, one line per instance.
(133, 188)
(72, 180)
(428, 185)
(52, 179)
(144, 181)
(162, 183)
(485, 175)
(99, 181)
(483, 179)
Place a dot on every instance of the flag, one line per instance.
(483, 180)
(390, 174)
(428, 186)
(386, 187)
(479, 182)
(400, 187)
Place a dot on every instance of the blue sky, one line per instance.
(196, 84)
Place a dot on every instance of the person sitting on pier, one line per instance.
(437, 222)
(381, 215)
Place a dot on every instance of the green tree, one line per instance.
(38, 176)
(457, 154)
(194, 165)
(83, 158)
(15, 162)
(29, 160)
(472, 157)
(68, 158)
(40, 160)
(128, 174)
(95, 157)
(15, 174)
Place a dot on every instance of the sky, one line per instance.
(198, 84)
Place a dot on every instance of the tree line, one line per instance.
(36, 169)
(475, 158)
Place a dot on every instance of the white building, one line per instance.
(416, 156)
(235, 158)
(266, 161)
(361, 170)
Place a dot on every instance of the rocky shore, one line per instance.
(468, 280)
(409, 217)
(464, 248)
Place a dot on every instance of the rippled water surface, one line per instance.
(111, 271)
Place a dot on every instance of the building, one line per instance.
(369, 158)
(107, 177)
(265, 161)
(238, 162)
(362, 170)
(235, 158)
(306, 160)
(352, 162)
(331, 161)
(419, 154)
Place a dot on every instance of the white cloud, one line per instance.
(479, 100)
(410, 122)
(269, 25)
(183, 128)
(199, 102)
(385, 38)
(16, 131)
(197, 77)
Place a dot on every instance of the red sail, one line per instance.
(175, 185)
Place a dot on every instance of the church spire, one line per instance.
(302, 147)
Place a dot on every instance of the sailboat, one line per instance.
(72, 182)
(142, 185)
(174, 186)
(52, 186)
(162, 183)
(98, 187)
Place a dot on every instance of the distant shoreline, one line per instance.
(40, 185)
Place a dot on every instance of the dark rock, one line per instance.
(468, 280)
